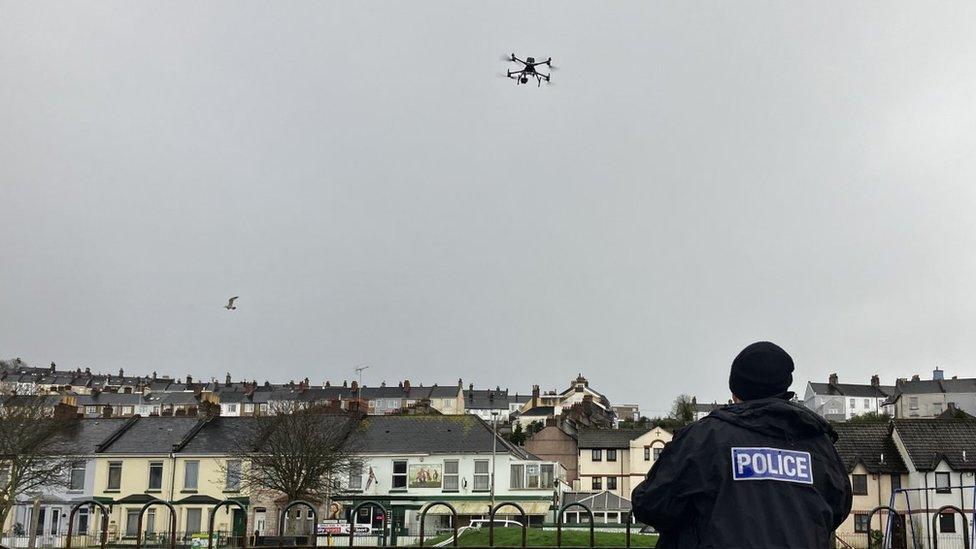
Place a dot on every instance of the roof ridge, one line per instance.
(101, 447)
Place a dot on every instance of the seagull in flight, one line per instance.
(230, 303)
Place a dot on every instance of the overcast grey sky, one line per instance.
(701, 175)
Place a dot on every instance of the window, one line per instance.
(233, 481)
(150, 526)
(548, 476)
(861, 523)
(481, 483)
(356, 477)
(647, 453)
(264, 407)
(913, 403)
(131, 523)
(231, 408)
(114, 475)
(82, 528)
(895, 482)
(399, 474)
(657, 453)
(192, 521)
(860, 484)
(77, 482)
(451, 483)
(191, 472)
(155, 475)
(517, 476)
(867, 403)
(947, 523)
(611, 483)
(853, 404)
(942, 483)
(597, 455)
(597, 483)
(248, 408)
(611, 455)
(532, 475)
(448, 402)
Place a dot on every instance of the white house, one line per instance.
(51, 522)
(841, 401)
(940, 455)
(410, 461)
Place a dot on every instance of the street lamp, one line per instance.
(494, 448)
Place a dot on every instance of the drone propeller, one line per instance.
(507, 57)
(553, 67)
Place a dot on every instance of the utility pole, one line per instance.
(494, 448)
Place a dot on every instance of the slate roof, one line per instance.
(929, 441)
(608, 438)
(84, 436)
(446, 434)
(867, 443)
(111, 399)
(487, 399)
(151, 435)
(859, 390)
(542, 411)
(219, 435)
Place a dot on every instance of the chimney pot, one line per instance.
(832, 379)
(875, 381)
(915, 378)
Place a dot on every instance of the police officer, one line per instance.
(761, 472)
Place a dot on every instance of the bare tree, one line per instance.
(30, 457)
(298, 452)
(683, 410)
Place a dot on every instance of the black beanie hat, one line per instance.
(761, 370)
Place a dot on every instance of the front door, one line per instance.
(898, 538)
(239, 523)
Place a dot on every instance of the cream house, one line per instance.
(876, 469)
(616, 460)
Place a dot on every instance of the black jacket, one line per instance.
(759, 474)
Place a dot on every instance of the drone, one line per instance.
(529, 70)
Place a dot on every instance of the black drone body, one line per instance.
(529, 70)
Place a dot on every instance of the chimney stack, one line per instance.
(189, 379)
(875, 381)
(121, 373)
(938, 374)
(832, 379)
(471, 386)
(227, 379)
(915, 378)
(535, 396)
(406, 385)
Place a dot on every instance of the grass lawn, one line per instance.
(536, 537)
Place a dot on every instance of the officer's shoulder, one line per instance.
(702, 428)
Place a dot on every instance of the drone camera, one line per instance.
(530, 59)
(523, 80)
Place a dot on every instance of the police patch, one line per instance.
(771, 464)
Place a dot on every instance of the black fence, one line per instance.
(371, 539)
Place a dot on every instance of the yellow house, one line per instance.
(161, 458)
